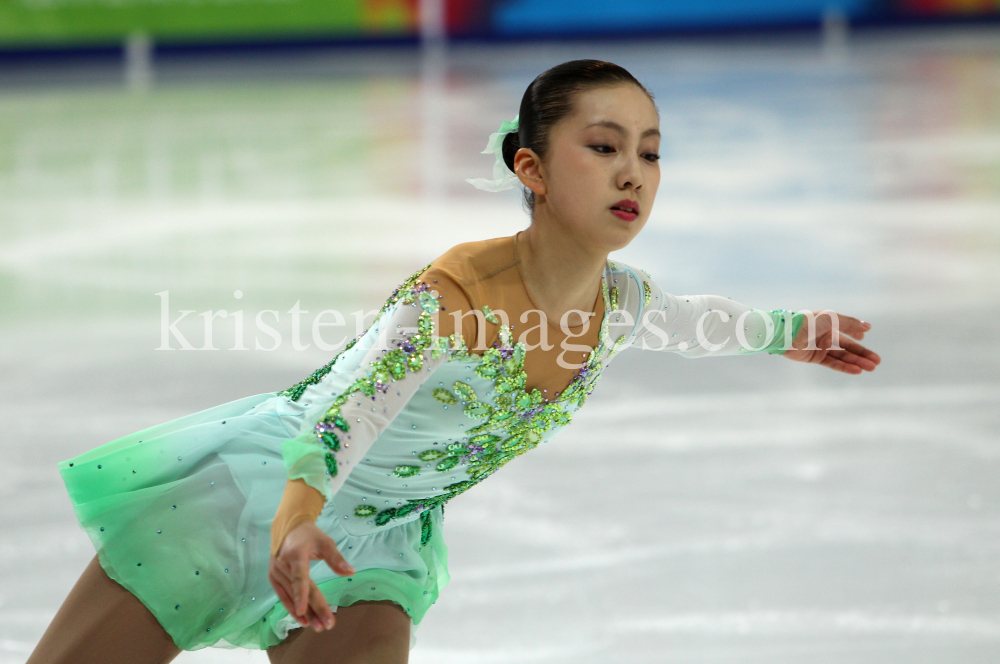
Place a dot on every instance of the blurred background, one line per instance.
(299, 156)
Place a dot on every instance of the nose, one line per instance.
(629, 174)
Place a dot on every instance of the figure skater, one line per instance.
(320, 506)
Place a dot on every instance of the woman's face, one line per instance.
(601, 157)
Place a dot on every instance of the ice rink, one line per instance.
(744, 510)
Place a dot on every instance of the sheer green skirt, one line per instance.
(180, 514)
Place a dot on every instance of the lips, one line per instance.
(626, 209)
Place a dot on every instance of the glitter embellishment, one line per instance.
(516, 423)
(392, 366)
(619, 342)
(425, 528)
(445, 397)
(295, 392)
(406, 471)
(490, 316)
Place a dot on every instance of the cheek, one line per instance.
(577, 176)
(654, 178)
(561, 179)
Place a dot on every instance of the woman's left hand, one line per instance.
(820, 347)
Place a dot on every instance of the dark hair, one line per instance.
(549, 98)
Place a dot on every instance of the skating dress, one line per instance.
(398, 423)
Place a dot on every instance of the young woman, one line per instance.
(236, 525)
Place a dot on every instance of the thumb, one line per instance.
(330, 554)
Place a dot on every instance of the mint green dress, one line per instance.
(397, 424)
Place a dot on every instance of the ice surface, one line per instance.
(744, 510)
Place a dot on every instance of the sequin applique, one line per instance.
(513, 426)
(647, 293)
(617, 346)
(392, 366)
(295, 391)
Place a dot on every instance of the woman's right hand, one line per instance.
(289, 574)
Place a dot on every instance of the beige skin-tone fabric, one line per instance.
(467, 277)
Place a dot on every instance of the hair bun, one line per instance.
(511, 144)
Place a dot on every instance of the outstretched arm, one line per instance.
(707, 325)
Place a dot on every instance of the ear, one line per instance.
(528, 168)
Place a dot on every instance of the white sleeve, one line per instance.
(709, 325)
(401, 350)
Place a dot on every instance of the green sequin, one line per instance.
(445, 397)
(614, 298)
(295, 391)
(448, 463)
(619, 342)
(465, 391)
(406, 471)
(428, 302)
(478, 410)
(647, 294)
(431, 455)
(425, 528)
(490, 316)
(365, 511)
(330, 439)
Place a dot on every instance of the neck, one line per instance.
(560, 271)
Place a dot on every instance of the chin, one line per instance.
(619, 238)
(626, 234)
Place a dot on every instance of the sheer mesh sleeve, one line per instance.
(402, 348)
(708, 325)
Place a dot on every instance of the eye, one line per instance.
(599, 148)
(651, 157)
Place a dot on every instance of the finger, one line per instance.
(300, 585)
(851, 326)
(285, 598)
(320, 607)
(839, 365)
(869, 355)
(329, 553)
(283, 589)
(854, 360)
(303, 615)
(858, 354)
(283, 562)
(313, 620)
(286, 580)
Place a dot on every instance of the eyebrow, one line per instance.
(652, 131)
